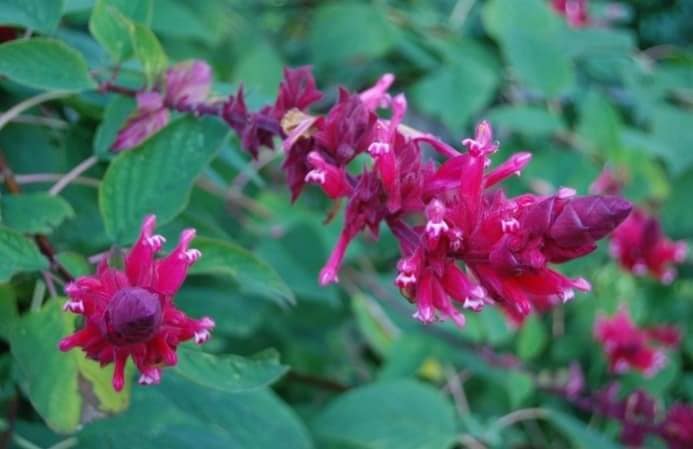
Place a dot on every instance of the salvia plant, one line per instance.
(369, 225)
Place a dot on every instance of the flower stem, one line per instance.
(73, 174)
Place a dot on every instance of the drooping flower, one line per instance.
(188, 83)
(184, 85)
(641, 247)
(464, 244)
(255, 129)
(677, 429)
(629, 347)
(296, 91)
(151, 115)
(507, 243)
(575, 11)
(131, 313)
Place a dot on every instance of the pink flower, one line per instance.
(255, 129)
(464, 244)
(677, 429)
(630, 347)
(150, 117)
(575, 11)
(641, 247)
(188, 83)
(296, 91)
(185, 85)
(130, 313)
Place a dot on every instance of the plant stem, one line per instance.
(29, 103)
(73, 174)
(41, 240)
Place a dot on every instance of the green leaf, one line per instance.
(228, 372)
(44, 64)
(115, 116)
(17, 254)
(676, 216)
(389, 415)
(495, 326)
(582, 435)
(673, 130)
(149, 51)
(298, 255)
(519, 386)
(179, 19)
(374, 323)
(456, 91)
(8, 311)
(219, 298)
(525, 120)
(76, 389)
(34, 213)
(600, 124)
(347, 31)
(37, 15)
(406, 356)
(532, 39)
(157, 177)
(600, 41)
(75, 263)
(260, 67)
(110, 23)
(220, 257)
(179, 414)
(532, 338)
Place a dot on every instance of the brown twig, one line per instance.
(317, 381)
(12, 408)
(42, 241)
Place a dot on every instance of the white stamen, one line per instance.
(435, 228)
(315, 176)
(201, 336)
(378, 148)
(510, 225)
(405, 280)
(582, 284)
(566, 192)
(478, 292)
(475, 304)
(566, 295)
(456, 239)
(155, 242)
(425, 315)
(74, 306)
(150, 378)
(192, 255)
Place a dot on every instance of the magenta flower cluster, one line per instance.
(629, 347)
(442, 213)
